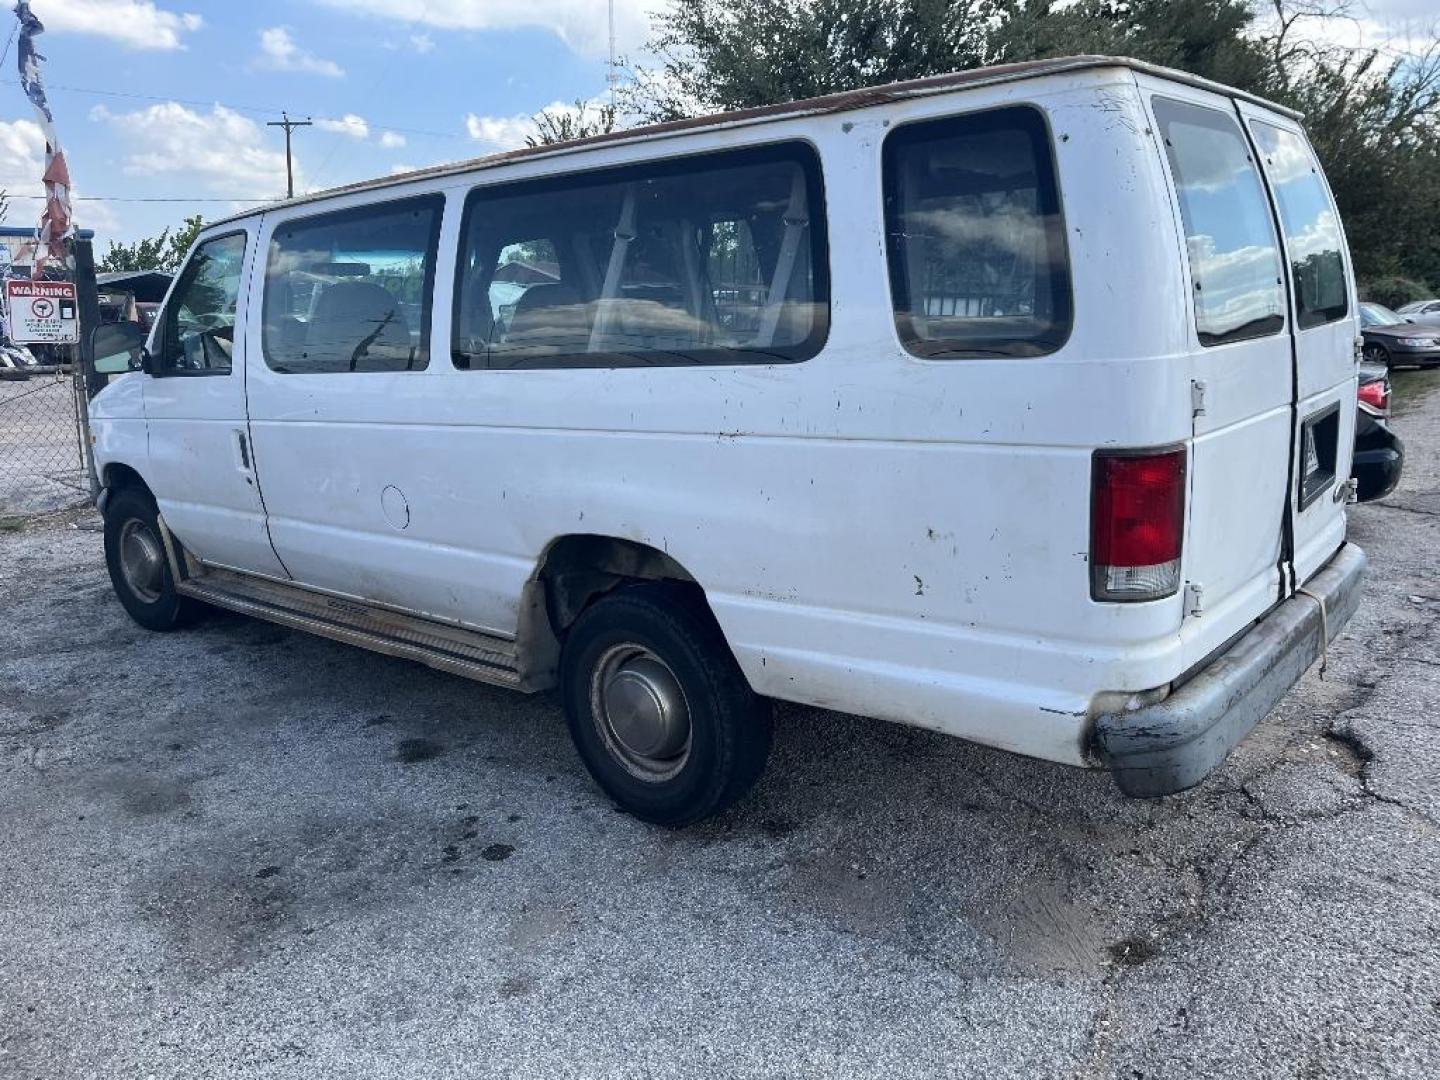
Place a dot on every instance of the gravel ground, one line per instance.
(241, 851)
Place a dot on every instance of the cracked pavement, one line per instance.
(241, 851)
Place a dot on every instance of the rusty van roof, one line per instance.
(845, 101)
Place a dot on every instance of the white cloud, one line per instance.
(221, 150)
(22, 162)
(278, 52)
(581, 24)
(422, 42)
(350, 125)
(136, 24)
(500, 132)
(391, 140)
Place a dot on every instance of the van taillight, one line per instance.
(1137, 524)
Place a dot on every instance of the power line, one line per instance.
(159, 198)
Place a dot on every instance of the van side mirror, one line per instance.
(117, 347)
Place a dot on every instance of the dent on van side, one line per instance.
(1015, 404)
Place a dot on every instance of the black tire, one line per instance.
(729, 726)
(131, 519)
(1376, 354)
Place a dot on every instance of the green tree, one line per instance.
(580, 121)
(164, 252)
(1375, 123)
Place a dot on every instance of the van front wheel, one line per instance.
(660, 712)
(138, 568)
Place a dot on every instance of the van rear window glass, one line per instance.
(976, 242)
(1312, 229)
(350, 291)
(1229, 233)
(717, 259)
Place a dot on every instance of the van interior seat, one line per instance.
(357, 326)
(553, 317)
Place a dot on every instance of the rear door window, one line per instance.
(975, 239)
(1312, 228)
(1229, 233)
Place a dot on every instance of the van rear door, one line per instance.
(1239, 362)
(1323, 327)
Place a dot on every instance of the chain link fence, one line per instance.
(42, 459)
(43, 403)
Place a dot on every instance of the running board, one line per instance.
(455, 649)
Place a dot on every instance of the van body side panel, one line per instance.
(900, 537)
(117, 424)
(877, 533)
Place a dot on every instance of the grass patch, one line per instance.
(1412, 387)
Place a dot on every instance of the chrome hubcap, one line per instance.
(141, 560)
(641, 712)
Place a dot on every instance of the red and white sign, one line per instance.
(43, 312)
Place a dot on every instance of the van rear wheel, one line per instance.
(659, 710)
(139, 570)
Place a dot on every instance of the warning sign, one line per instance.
(43, 312)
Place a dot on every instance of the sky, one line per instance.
(162, 105)
(168, 99)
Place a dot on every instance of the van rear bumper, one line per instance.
(1172, 745)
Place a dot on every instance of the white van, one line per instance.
(1016, 404)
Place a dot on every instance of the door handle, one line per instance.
(243, 446)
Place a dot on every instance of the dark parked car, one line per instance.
(1394, 340)
(1379, 453)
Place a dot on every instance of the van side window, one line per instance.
(975, 238)
(1312, 229)
(713, 259)
(1229, 233)
(197, 335)
(350, 290)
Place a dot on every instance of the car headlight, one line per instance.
(1418, 342)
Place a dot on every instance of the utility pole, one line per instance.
(612, 76)
(289, 125)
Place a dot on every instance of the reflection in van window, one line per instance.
(1312, 230)
(350, 291)
(712, 260)
(975, 238)
(199, 327)
(1230, 236)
